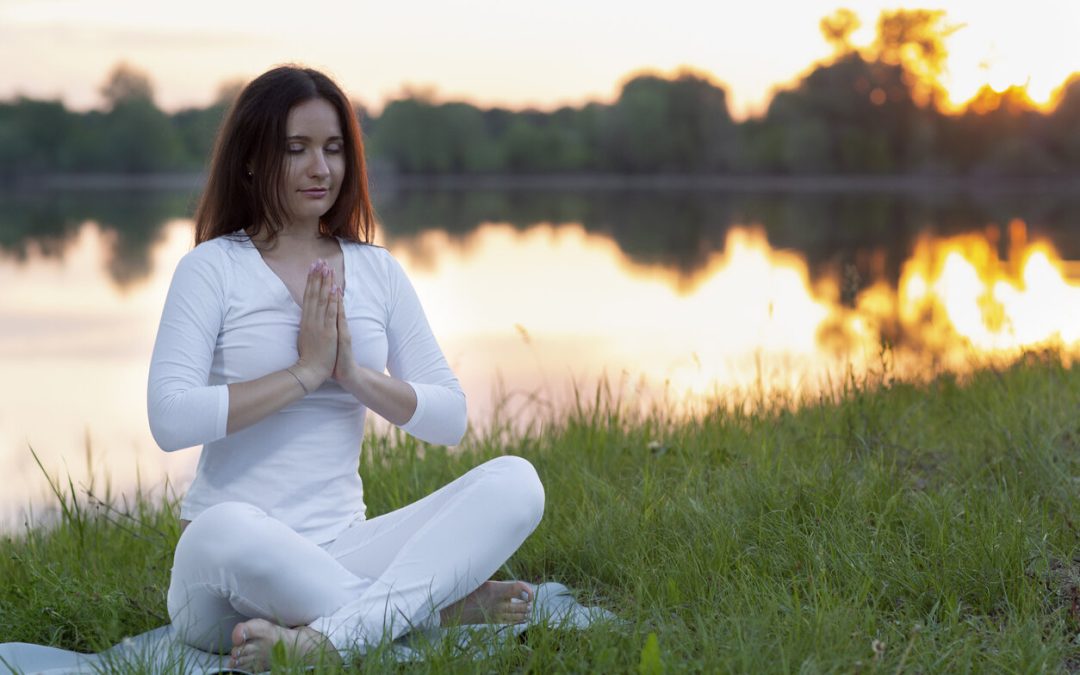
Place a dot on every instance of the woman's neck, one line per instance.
(305, 236)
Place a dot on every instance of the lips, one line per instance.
(315, 193)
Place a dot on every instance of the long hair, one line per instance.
(244, 187)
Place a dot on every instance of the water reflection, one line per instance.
(680, 230)
(49, 223)
(678, 294)
(73, 353)
(870, 233)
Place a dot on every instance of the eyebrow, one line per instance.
(308, 138)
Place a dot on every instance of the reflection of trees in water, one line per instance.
(131, 222)
(857, 237)
(872, 233)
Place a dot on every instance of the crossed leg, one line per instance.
(242, 580)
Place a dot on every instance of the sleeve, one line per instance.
(183, 409)
(415, 357)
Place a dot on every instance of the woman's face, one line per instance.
(314, 160)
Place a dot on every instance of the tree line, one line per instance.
(870, 110)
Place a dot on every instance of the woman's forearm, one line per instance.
(256, 399)
(390, 398)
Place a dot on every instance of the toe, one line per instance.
(515, 612)
(239, 634)
(522, 590)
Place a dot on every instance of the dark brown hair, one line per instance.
(243, 190)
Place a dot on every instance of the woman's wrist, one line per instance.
(309, 378)
(352, 380)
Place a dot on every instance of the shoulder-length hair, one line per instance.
(244, 186)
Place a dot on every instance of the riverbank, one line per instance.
(887, 527)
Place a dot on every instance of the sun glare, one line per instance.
(991, 50)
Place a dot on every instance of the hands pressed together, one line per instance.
(325, 349)
(324, 343)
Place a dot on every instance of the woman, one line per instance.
(273, 343)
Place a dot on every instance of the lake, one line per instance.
(686, 297)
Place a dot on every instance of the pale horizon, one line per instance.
(497, 53)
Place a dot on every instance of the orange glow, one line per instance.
(958, 300)
(995, 305)
(1015, 99)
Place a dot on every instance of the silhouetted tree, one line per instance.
(846, 117)
(1000, 133)
(35, 136)
(837, 29)
(1064, 124)
(864, 110)
(420, 136)
(126, 84)
(682, 124)
(915, 40)
(139, 136)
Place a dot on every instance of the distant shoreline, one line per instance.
(903, 183)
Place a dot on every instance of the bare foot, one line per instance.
(253, 641)
(493, 602)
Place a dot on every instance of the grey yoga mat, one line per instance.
(158, 651)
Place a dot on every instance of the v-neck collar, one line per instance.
(272, 277)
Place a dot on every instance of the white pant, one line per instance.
(377, 580)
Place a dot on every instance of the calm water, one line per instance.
(682, 296)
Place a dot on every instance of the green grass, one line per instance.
(936, 521)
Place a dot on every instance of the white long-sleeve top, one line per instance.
(229, 318)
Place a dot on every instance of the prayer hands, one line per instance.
(345, 363)
(318, 341)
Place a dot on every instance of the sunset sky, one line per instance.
(503, 52)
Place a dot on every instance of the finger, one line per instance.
(332, 307)
(323, 296)
(342, 324)
(311, 287)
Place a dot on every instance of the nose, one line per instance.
(318, 167)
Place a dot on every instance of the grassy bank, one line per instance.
(895, 528)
